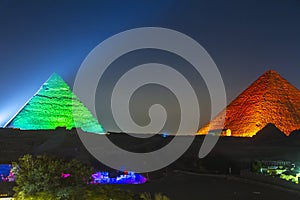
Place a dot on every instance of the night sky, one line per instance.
(245, 38)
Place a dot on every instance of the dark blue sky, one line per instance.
(245, 38)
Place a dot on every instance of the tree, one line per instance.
(43, 175)
(256, 166)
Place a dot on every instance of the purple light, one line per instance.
(63, 175)
(118, 178)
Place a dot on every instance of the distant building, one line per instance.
(220, 132)
(276, 163)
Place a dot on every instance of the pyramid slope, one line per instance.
(55, 105)
(270, 99)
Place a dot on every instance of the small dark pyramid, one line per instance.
(270, 133)
(270, 99)
(295, 134)
(53, 106)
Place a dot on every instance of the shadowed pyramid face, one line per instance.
(270, 99)
(55, 105)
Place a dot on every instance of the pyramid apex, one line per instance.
(54, 75)
(271, 74)
(55, 80)
(271, 71)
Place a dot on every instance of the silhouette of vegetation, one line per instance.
(42, 178)
(157, 196)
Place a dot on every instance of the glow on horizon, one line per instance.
(3, 120)
(10, 108)
(6, 114)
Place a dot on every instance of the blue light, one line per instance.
(118, 178)
(6, 174)
(164, 135)
(5, 169)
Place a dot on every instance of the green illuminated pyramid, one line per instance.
(55, 105)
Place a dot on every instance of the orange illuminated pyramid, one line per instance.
(270, 99)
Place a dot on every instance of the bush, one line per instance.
(157, 196)
(42, 175)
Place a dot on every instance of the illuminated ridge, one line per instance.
(55, 105)
(270, 99)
